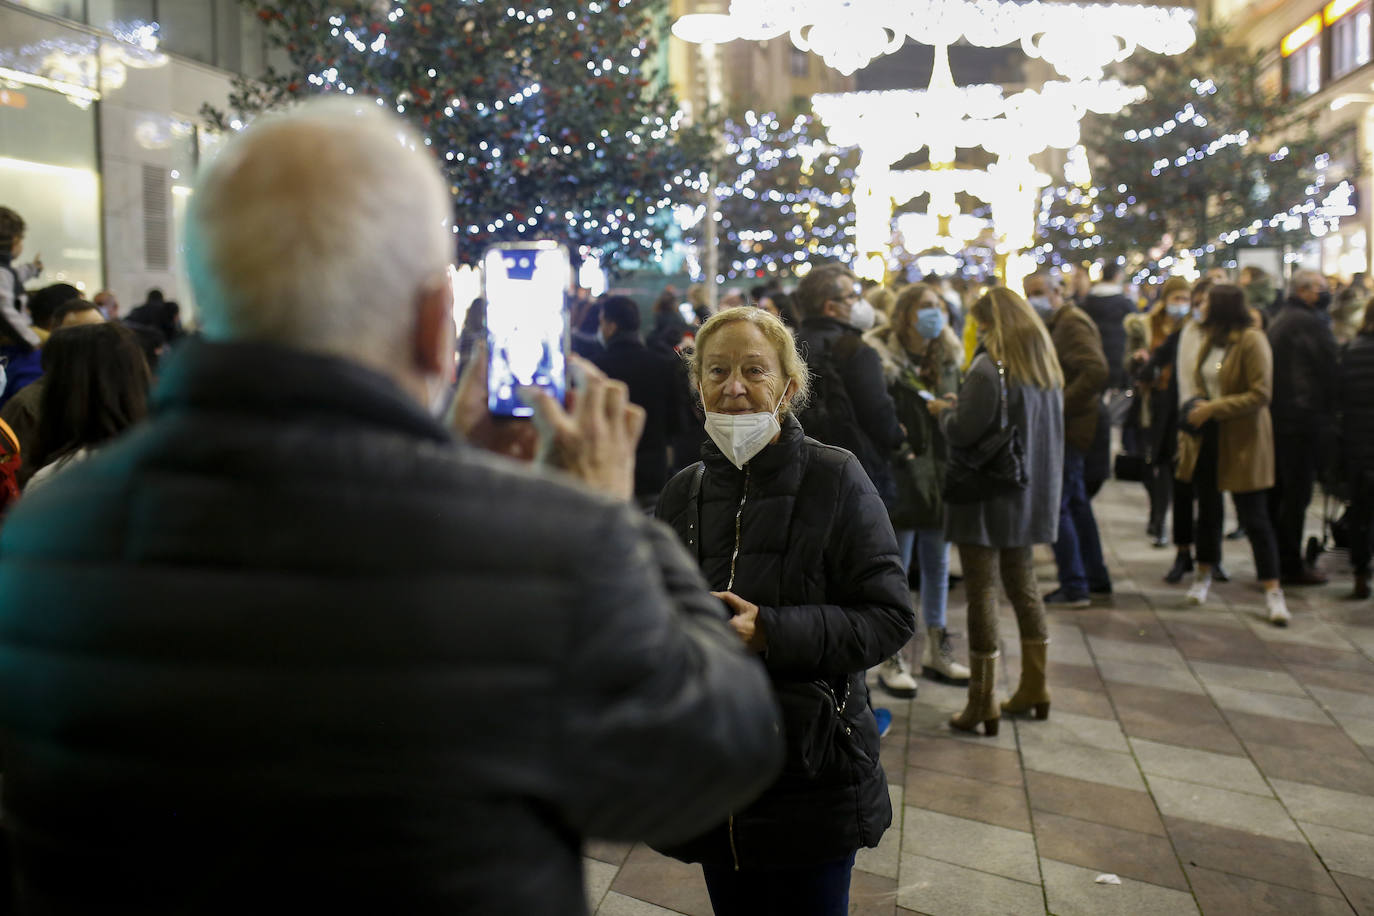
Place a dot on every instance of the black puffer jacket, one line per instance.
(1357, 405)
(285, 649)
(817, 554)
(866, 385)
(1306, 368)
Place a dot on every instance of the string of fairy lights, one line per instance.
(785, 196)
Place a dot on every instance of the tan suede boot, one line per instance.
(1032, 693)
(982, 702)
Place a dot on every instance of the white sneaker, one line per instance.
(1278, 608)
(1197, 593)
(896, 677)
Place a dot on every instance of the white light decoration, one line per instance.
(1077, 39)
(889, 126)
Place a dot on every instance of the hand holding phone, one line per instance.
(525, 285)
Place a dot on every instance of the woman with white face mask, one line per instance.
(796, 543)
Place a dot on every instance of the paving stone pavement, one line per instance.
(1217, 765)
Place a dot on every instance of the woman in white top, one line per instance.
(1232, 448)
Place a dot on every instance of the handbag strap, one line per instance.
(1002, 380)
(694, 511)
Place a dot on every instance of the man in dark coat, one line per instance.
(1078, 548)
(286, 648)
(1108, 305)
(653, 380)
(826, 298)
(1306, 389)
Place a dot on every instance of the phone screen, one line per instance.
(926, 394)
(525, 286)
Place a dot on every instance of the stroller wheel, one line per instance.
(1314, 550)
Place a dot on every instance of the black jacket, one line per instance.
(1357, 405)
(1306, 371)
(654, 383)
(817, 554)
(285, 649)
(1109, 313)
(873, 405)
(1162, 440)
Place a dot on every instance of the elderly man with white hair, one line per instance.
(1306, 389)
(287, 648)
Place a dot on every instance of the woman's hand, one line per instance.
(745, 620)
(940, 405)
(1200, 414)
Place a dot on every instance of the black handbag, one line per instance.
(1130, 467)
(993, 466)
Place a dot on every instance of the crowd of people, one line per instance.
(303, 642)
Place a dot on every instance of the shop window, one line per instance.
(1350, 42)
(1305, 69)
(48, 175)
(188, 29)
(67, 9)
(106, 14)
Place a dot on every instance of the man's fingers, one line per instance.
(470, 400)
(634, 423)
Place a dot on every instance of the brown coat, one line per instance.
(1079, 348)
(1245, 433)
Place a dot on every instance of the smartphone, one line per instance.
(525, 285)
(925, 394)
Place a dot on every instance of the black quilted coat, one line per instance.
(816, 552)
(286, 649)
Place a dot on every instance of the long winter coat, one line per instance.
(1030, 516)
(1245, 432)
(920, 468)
(1305, 371)
(1357, 406)
(805, 537)
(287, 649)
(1079, 349)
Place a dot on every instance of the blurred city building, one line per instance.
(1319, 53)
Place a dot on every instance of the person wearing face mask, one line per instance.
(358, 662)
(921, 357)
(1306, 392)
(1157, 398)
(851, 407)
(1078, 351)
(796, 543)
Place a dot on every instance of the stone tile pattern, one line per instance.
(1215, 765)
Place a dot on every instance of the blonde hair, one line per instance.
(774, 331)
(1017, 338)
(882, 299)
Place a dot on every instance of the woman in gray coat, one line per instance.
(998, 533)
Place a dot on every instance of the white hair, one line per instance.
(1304, 279)
(317, 229)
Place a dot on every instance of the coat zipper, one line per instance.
(739, 516)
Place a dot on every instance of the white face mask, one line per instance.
(741, 436)
(862, 315)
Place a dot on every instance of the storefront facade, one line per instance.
(100, 130)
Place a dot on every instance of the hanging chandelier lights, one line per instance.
(1077, 39)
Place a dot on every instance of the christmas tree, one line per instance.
(784, 196)
(1212, 157)
(547, 118)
